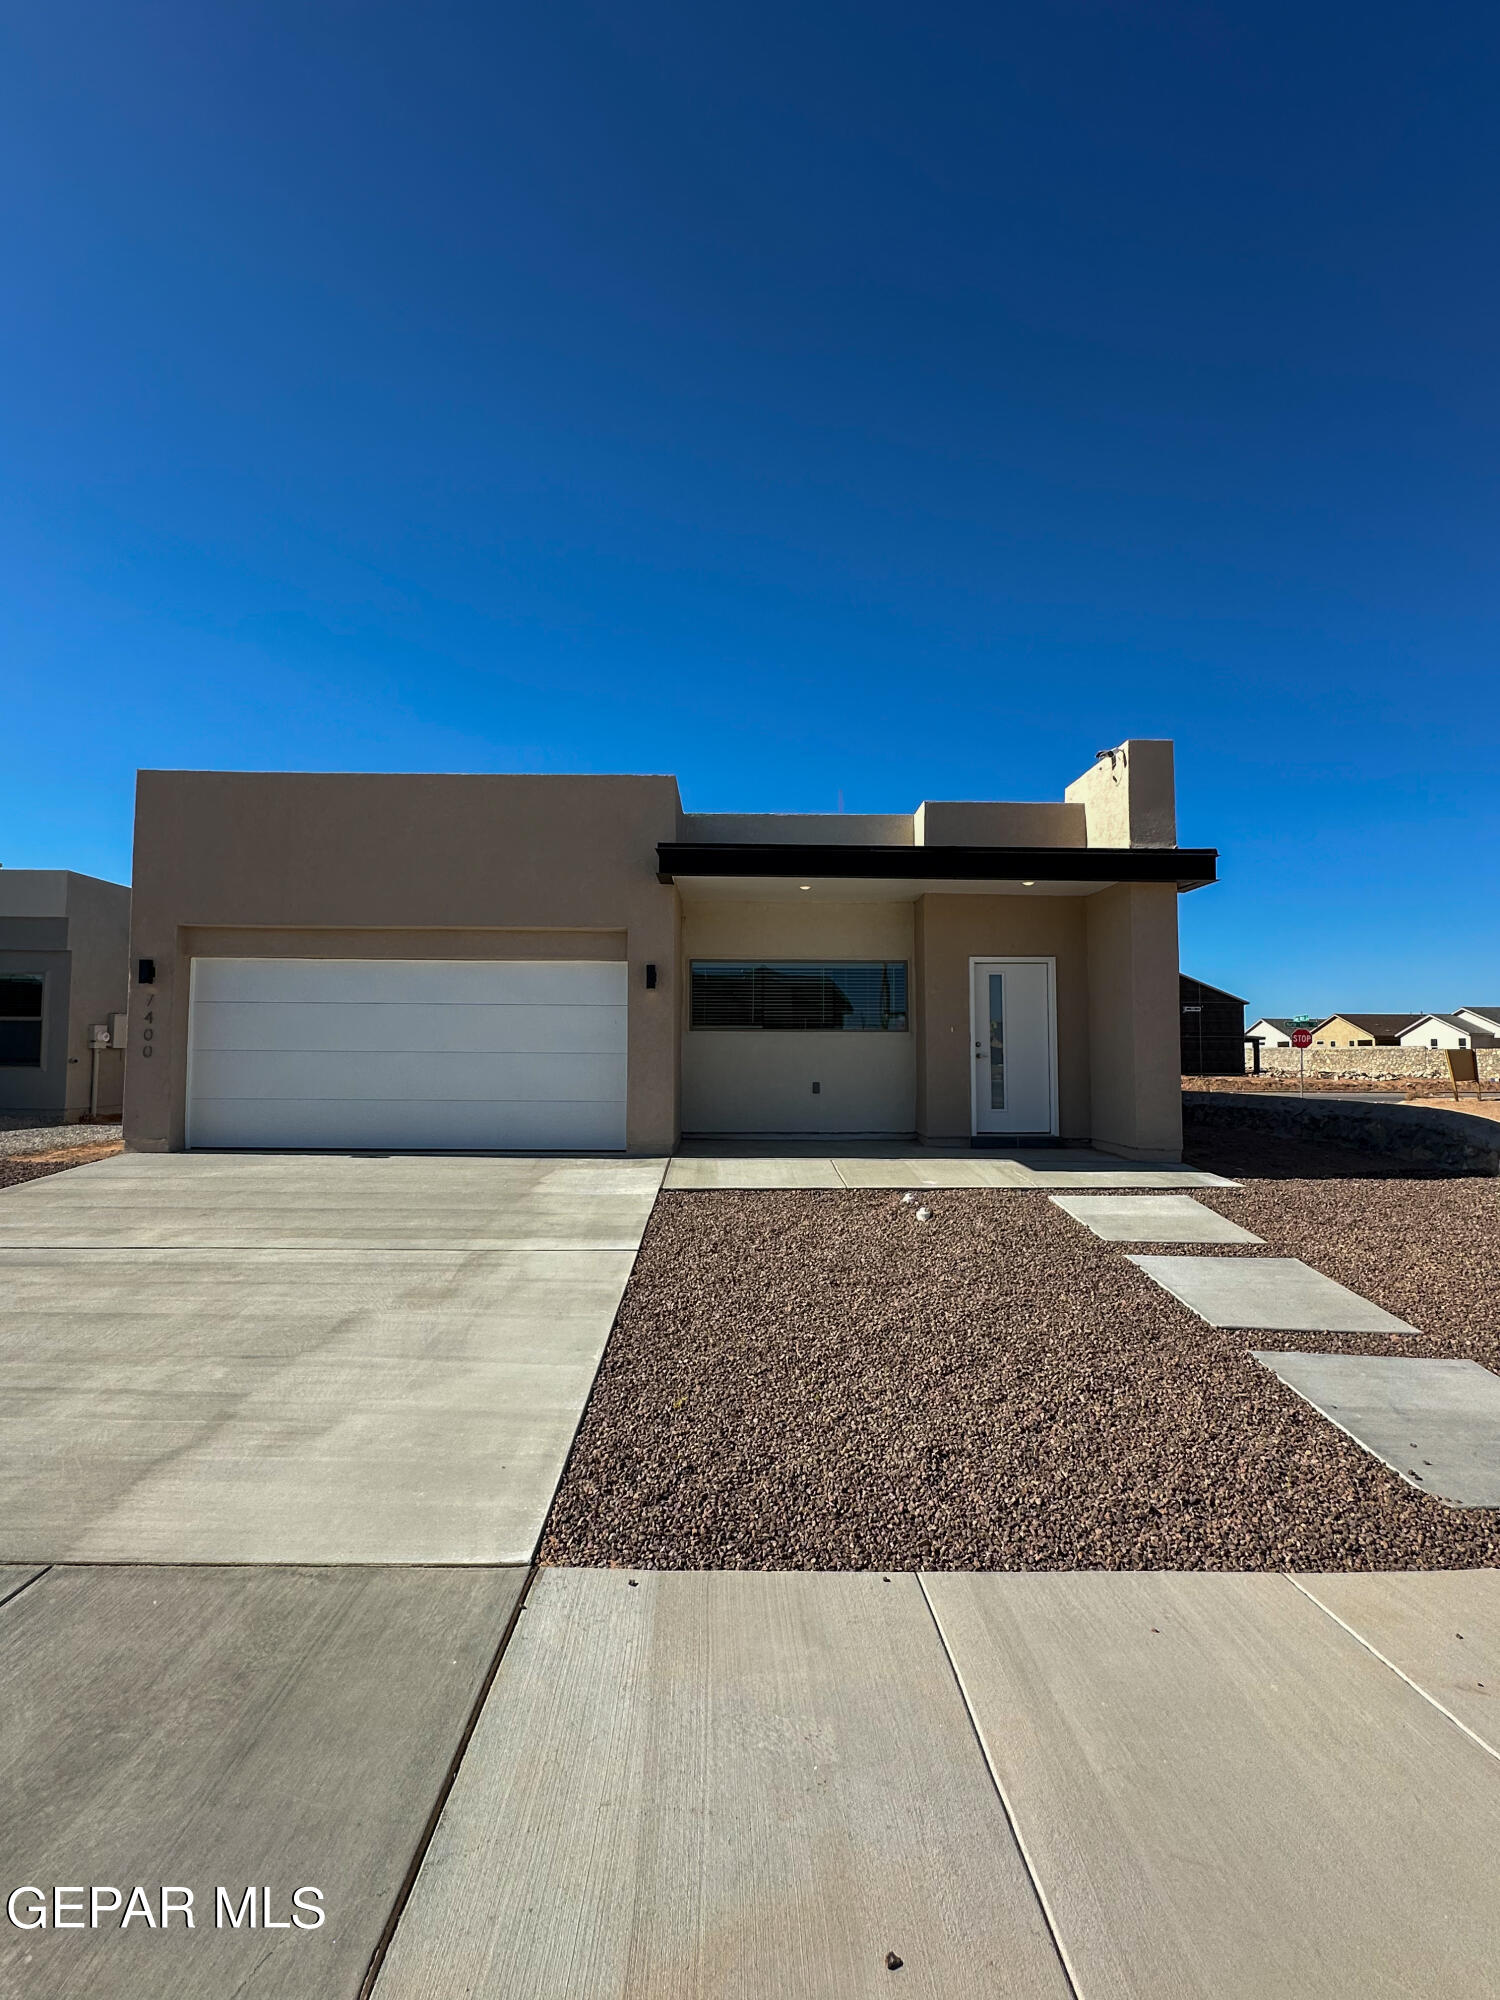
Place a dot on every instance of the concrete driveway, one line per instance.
(301, 1359)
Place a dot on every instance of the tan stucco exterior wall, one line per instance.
(1338, 1033)
(1135, 1054)
(999, 823)
(410, 865)
(749, 1082)
(950, 931)
(99, 941)
(788, 829)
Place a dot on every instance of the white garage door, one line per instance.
(426, 1054)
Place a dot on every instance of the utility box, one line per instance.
(119, 1030)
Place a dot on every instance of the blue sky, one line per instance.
(813, 400)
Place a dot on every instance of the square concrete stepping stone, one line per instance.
(1435, 1422)
(1151, 1218)
(1280, 1292)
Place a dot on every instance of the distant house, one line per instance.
(1273, 1031)
(1447, 1031)
(1485, 1019)
(1363, 1031)
(1213, 1029)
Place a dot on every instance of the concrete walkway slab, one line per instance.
(1439, 1629)
(695, 1784)
(14, 1577)
(760, 1171)
(1280, 1292)
(1435, 1422)
(359, 1397)
(871, 1165)
(1223, 1796)
(1155, 1218)
(214, 1727)
(1102, 1172)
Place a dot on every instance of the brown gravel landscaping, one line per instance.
(19, 1167)
(818, 1380)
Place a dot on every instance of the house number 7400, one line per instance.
(148, 1025)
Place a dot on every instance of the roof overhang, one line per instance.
(1098, 867)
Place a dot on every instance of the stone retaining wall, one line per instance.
(1420, 1134)
(1369, 1065)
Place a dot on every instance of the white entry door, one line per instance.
(1014, 1030)
(437, 1055)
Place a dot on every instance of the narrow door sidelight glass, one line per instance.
(997, 1041)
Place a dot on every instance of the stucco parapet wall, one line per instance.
(1367, 1065)
(1420, 1134)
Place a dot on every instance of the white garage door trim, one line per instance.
(417, 1055)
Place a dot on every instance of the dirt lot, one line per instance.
(820, 1381)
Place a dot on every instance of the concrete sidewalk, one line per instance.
(681, 1786)
(1219, 1787)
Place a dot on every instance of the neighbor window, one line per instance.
(20, 1020)
(787, 993)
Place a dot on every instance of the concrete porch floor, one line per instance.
(825, 1162)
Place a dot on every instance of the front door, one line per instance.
(1014, 1032)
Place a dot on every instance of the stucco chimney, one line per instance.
(1129, 798)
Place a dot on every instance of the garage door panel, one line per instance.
(449, 1055)
(534, 982)
(385, 1026)
(354, 1125)
(312, 1073)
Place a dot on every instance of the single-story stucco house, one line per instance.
(64, 942)
(575, 963)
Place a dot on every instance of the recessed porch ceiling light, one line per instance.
(1028, 885)
(804, 887)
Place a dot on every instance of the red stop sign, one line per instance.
(1302, 1038)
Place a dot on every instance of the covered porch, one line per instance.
(942, 997)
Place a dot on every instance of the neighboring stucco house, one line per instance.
(64, 948)
(1485, 1019)
(575, 963)
(1362, 1031)
(1274, 1031)
(1446, 1031)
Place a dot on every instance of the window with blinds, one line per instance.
(863, 994)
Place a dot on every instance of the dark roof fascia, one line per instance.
(1187, 867)
(1187, 979)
